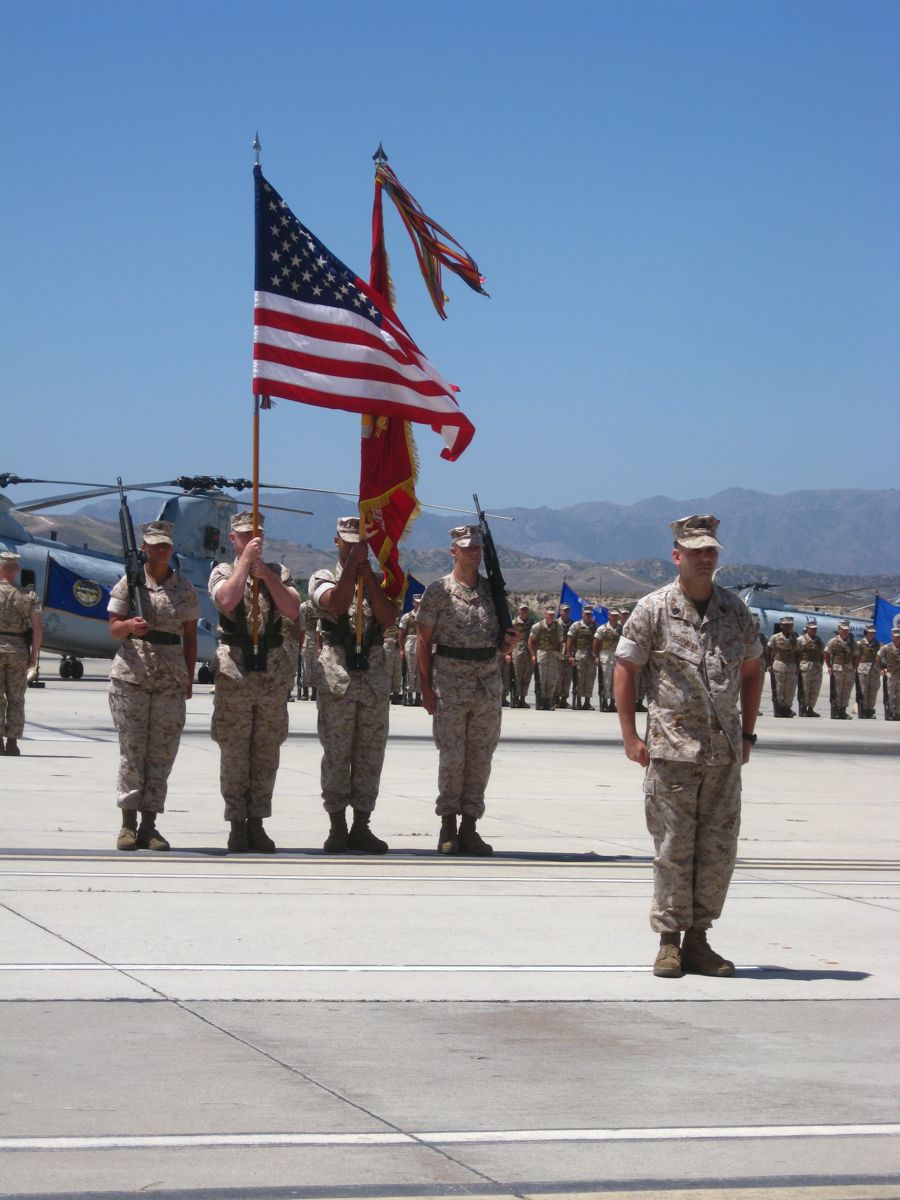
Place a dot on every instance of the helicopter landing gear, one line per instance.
(204, 674)
(70, 668)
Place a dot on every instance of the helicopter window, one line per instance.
(28, 578)
(211, 538)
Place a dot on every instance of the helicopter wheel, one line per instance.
(65, 668)
(77, 669)
(204, 674)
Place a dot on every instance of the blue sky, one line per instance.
(686, 214)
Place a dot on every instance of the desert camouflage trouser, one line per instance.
(412, 667)
(308, 660)
(564, 678)
(13, 682)
(844, 683)
(524, 669)
(548, 667)
(466, 732)
(694, 816)
(869, 679)
(587, 673)
(394, 666)
(893, 691)
(149, 724)
(353, 730)
(608, 664)
(249, 724)
(811, 674)
(785, 675)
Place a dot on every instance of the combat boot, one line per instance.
(361, 838)
(127, 839)
(811, 712)
(448, 842)
(470, 840)
(238, 842)
(336, 842)
(148, 836)
(12, 748)
(304, 693)
(258, 840)
(699, 958)
(2, 747)
(667, 964)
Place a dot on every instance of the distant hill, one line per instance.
(848, 532)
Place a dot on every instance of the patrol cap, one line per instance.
(787, 620)
(157, 533)
(348, 529)
(843, 625)
(8, 557)
(567, 607)
(695, 532)
(870, 629)
(523, 605)
(242, 522)
(466, 535)
(812, 623)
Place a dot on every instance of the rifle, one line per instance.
(494, 575)
(599, 684)
(575, 686)
(538, 699)
(513, 684)
(134, 559)
(775, 705)
(885, 698)
(801, 695)
(832, 694)
(862, 711)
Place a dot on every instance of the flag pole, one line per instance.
(256, 146)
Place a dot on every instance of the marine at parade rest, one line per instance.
(21, 629)
(606, 638)
(408, 652)
(841, 658)
(308, 651)
(459, 673)
(564, 681)
(889, 661)
(867, 670)
(521, 656)
(783, 658)
(250, 714)
(150, 680)
(700, 653)
(579, 645)
(545, 643)
(811, 653)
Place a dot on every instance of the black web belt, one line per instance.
(468, 653)
(158, 638)
(234, 639)
(16, 633)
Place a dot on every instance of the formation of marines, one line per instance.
(692, 647)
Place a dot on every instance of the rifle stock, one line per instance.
(494, 574)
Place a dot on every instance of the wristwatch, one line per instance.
(749, 737)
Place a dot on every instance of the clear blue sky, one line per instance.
(686, 213)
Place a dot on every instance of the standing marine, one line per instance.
(564, 685)
(868, 673)
(408, 653)
(252, 685)
(459, 673)
(841, 658)
(521, 657)
(811, 656)
(579, 650)
(782, 657)
(889, 661)
(353, 691)
(21, 629)
(545, 644)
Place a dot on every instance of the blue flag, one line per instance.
(413, 588)
(887, 615)
(69, 592)
(576, 605)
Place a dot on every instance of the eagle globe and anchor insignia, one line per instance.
(87, 592)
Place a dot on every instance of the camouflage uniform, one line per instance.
(869, 676)
(564, 684)
(16, 610)
(582, 635)
(889, 657)
(353, 706)
(811, 655)
(147, 686)
(408, 629)
(250, 716)
(692, 789)
(521, 659)
(548, 642)
(842, 655)
(308, 651)
(467, 690)
(607, 638)
(782, 652)
(392, 659)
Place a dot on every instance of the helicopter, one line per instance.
(73, 583)
(769, 608)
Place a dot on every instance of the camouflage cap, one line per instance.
(696, 532)
(870, 629)
(242, 522)
(811, 621)
(466, 535)
(843, 625)
(157, 533)
(348, 529)
(523, 605)
(787, 620)
(8, 557)
(567, 607)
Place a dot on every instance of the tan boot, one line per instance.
(127, 839)
(448, 842)
(148, 836)
(470, 840)
(668, 958)
(699, 958)
(257, 838)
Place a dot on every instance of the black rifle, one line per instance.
(538, 699)
(775, 705)
(860, 703)
(575, 686)
(513, 684)
(832, 694)
(134, 558)
(599, 684)
(801, 694)
(885, 699)
(494, 575)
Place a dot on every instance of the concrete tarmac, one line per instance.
(194, 1024)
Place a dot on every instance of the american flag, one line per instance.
(322, 336)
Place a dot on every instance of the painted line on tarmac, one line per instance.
(343, 968)
(447, 1137)
(52, 733)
